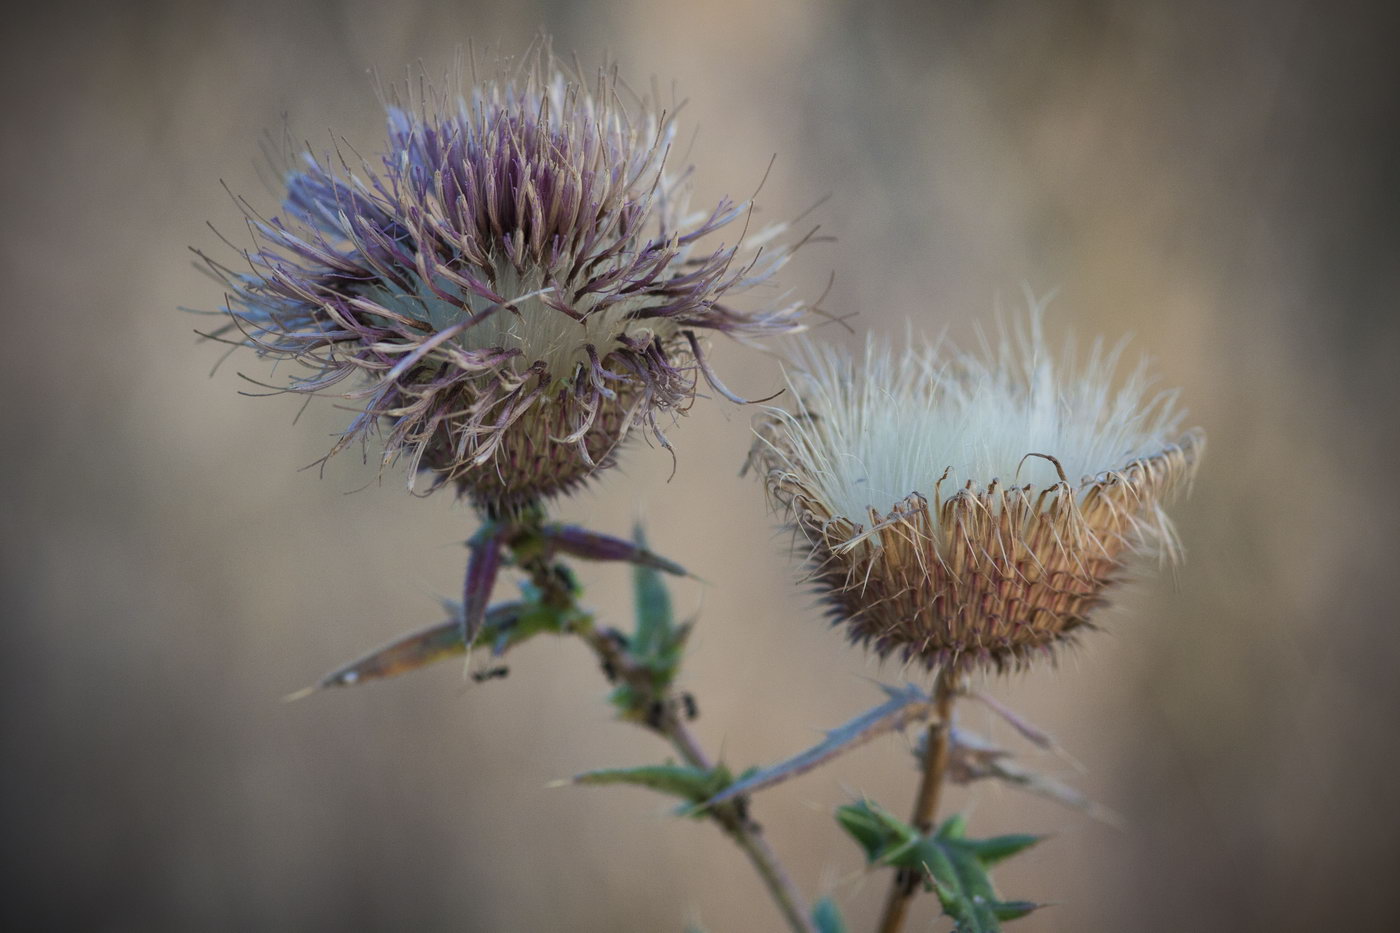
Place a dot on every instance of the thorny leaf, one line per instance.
(533, 617)
(880, 834)
(1028, 730)
(658, 643)
(632, 704)
(905, 705)
(504, 626)
(689, 783)
(593, 545)
(653, 606)
(951, 864)
(973, 758)
(482, 568)
(655, 649)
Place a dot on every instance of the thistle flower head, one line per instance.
(514, 286)
(970, 509)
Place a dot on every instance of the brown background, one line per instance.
(1219, 182)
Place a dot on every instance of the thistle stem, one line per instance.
(935, 764)
(733, 816)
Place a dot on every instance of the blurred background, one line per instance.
(1218, 181)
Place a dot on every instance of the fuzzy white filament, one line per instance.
(876, 430)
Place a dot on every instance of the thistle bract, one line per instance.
(517, 283)
(966, 510)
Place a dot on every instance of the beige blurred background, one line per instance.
(1217, 180)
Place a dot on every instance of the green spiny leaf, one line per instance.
(877, 831)
(954, 827)
(954, 866)
(691, 784)
(1013, 910)
(631, 705)
(655, 624)
(659, 643)
(998, 848)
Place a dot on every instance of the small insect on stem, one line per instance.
(491, 673)
(656, 714)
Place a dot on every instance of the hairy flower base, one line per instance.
(988, 578)
(533, 461)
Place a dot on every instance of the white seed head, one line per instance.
(972, 506)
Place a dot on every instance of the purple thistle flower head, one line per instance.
(515, 286)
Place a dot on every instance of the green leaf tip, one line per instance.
(875, 829)
(826, 917)
(999, 848)
(952, 865)
(694, 785)
(658, 644)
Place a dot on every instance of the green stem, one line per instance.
(935, 764)
(733, 818)
(554, 584)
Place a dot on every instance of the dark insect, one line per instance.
(656, 714)
(491, 673)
